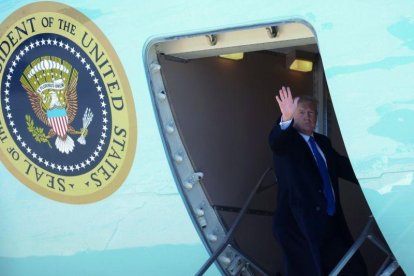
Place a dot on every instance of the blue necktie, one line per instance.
(323, 170)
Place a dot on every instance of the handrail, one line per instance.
(237, 210)
(264, 188)
(389, 265)
(351, 251)
(236, 223)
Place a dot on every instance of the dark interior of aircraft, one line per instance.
(224, 110)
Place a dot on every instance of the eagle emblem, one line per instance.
(50, 84)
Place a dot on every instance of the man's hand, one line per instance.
(286, 104)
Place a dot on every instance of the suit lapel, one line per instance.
(308, 151)
(324, 147)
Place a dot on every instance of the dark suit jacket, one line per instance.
(300, 221)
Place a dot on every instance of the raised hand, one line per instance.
(286, 104)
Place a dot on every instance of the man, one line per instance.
(309, 223)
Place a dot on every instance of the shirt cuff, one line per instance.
(284, 125)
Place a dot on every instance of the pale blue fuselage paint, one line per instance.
(367, 50)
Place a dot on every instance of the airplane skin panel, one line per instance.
(148, 213)
(368, 56)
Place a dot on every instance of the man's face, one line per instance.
(305, 118)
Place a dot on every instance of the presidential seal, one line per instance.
(67, 117)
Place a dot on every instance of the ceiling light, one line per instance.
(234, 56)
(300, 61)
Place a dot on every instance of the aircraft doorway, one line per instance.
(216, 130)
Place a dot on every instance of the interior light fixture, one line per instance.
(234, 56)
(300, 61)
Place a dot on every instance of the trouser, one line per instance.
(337, 241)
(304, 258)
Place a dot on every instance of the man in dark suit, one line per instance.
(309, 223)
